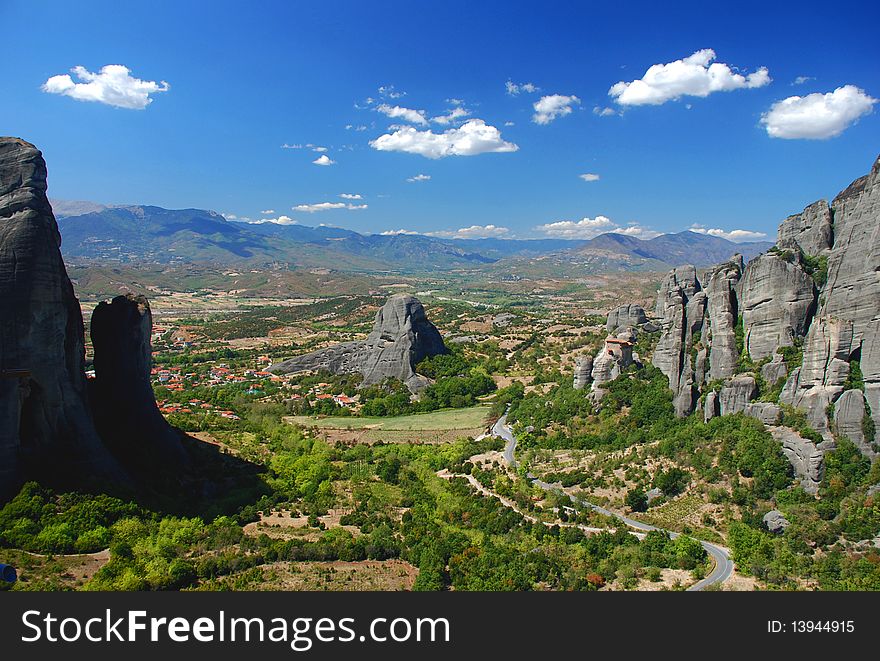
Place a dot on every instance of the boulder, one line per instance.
(806, 457)
(849, 415)
(775, 521)
(777, 300)
(766, 412)
(737, 393)
(402, 336)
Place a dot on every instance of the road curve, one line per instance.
(723, 564)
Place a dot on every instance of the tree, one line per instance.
(636, 500)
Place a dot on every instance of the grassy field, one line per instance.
(435, 427)
(448, 419)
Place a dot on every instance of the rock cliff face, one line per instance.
(45, 425)
(626, 316)
(776, 299)
(122, 398)
(402, 336)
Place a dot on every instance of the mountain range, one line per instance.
(141, 233)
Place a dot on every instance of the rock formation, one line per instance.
(583, 372)
(737, 393)
(805, 457)
(626, 316)
(811, 230)
(775, 521)
(45, 427)
(780, 305)
(849, 419)
(402, 336)
(777, 300)
(55, 426)
(613, 358)
(122, 398)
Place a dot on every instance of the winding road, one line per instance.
(723, 564)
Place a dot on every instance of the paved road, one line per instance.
(723, 564)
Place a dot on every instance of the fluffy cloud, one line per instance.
(351, 196)
(267, 212)
(737, 236)
(418, 178)
(817, 116)
(589, 177)
(452, 116)
(800, 80)
(355, 127)
(604, 112)
(397, 232)
(588, 228)
(473, 232)
(406, 114)
(550, 107)
(471, 138)
(328, 206)
(113, 85)
(515, 88)
(390, 92)
(323, 159)
(280, 220)
(696, 75)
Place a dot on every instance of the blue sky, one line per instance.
(214, 90)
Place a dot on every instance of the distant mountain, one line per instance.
(667, 250)
(139, 233)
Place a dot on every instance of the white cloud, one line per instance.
(800, 80)
(351, 196)
(515, 88)
(471, 138)
(455, 102)
(268, 211)
(817, 116)
(355, 127)
(323, 159)
(452, 116)
(320, 150)
(604, 112)
(280, 220)
(737, 236)
(397, 232)
(589, 176)
(588, 228)
(695, 75)
(419, 177)
(406, 114)
(473, 232)
(328, 206)
(113, 85)
(390, 92)
(550, 107)
(509, 123)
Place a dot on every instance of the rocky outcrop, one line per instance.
(711, 407)
(775, 521)
(681, 304)
(46, 429)
(124, 407)
(811, 230)
(775, 370)
(723, 313)
(777, 300)
(849, 417)
(626, 316)
(402, 336)
(805, 457)
(766, 412)
(583, 372)
(613, 358)
(737, 393)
